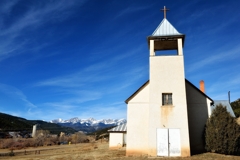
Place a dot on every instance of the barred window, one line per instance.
(167, 99)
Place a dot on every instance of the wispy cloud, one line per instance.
(17, 94)
(77, 79)
(108, 110)
(38, 15)
(96, 72)
(34, 17)
(218, 57)
(130, 10)
(69, 109)
(7, 7)
(77, 98)
(93, 84)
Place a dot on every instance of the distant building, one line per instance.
(62, 134)
(117, 136)
(34, 130)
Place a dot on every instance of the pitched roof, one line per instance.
(139, 89)
(199, 90)
(224, 103)
(165, 28)
(120, 128)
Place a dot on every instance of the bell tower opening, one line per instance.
(166, 53)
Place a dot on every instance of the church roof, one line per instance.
(120, 128)
(165, 28)
(138, 90)
(146, 83)
(187, 81)
(165, 36)
(224, 103)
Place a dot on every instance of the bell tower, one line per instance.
(168, 119)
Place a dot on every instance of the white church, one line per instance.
(166, 116)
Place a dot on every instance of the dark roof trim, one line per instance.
(127, 100)
(199, 90)
(117, 131)
(139, 89)
(166, 36)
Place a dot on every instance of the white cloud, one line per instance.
(7, 7)
(114, 110)
(216, 57)
(33, 18)
(131, 10)
(78, 79)
(17, 94)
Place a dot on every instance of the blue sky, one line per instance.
(84, 58)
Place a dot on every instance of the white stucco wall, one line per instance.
(142, 96)
(198, 113)
(145, 113)
(167, 76)
(115, 140)
(137, 123)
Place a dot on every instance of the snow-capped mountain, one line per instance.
(88, 125)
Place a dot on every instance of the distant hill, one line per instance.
(13, 123)
(236, 107)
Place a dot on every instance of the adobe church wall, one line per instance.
(137, 134)
(137, 123)
(198, 113)
(116, 140)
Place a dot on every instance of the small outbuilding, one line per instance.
(117, 136)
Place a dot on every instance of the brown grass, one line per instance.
(93, 151)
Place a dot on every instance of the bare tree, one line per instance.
(78, 137)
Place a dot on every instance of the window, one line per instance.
(167, 99)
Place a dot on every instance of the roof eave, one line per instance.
(117, 131)
(200, 91)
(139, 89)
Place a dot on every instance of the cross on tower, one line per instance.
(165, 11)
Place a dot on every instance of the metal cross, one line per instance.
(165, 11)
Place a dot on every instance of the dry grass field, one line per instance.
(92, 151)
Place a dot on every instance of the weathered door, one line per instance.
(174, 142)
(168, 142)
(162, 142)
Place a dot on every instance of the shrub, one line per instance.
(236, 107)
(28, 143)
(7, 143)
(78, 137)
(222, 134)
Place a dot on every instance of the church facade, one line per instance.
(166, 115)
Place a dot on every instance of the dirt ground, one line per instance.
(92, 151)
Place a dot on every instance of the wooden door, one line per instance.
(174, 142)
(168, 142)
(162, 142)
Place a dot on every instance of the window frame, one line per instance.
(167, 99)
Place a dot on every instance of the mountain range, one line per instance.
(88, 125)
(12, 123)
(9, 123)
